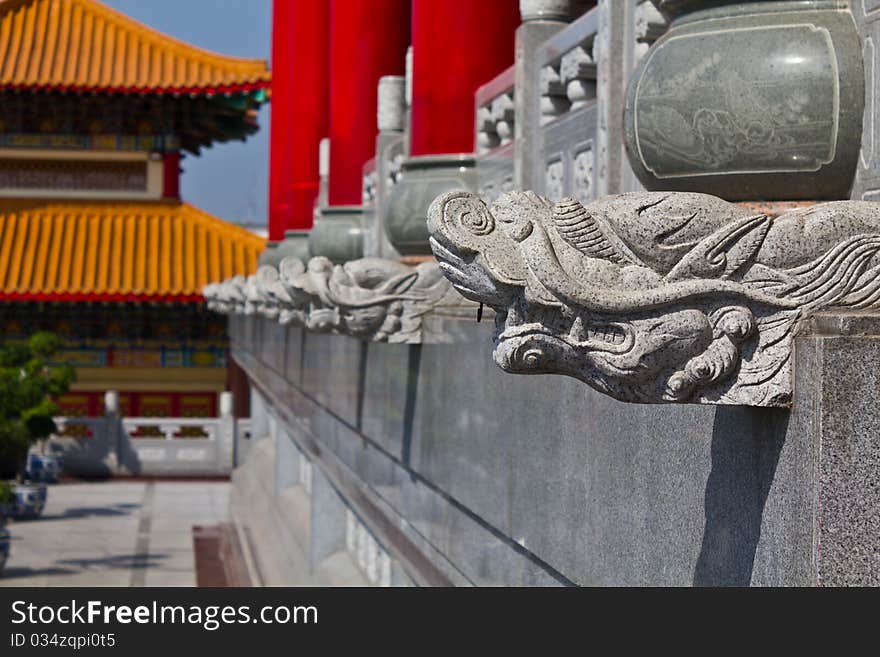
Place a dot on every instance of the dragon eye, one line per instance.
(532, 357)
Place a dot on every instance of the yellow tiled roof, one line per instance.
(84, 45)
(122, 251)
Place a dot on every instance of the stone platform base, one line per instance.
(457, 473)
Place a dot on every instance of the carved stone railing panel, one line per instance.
(495, 113)
(650, 25)
(495, 172)
(554, 101)
(570, 159)
(569, 100)
(368, 186)
(371, 299)
(568, 73)
(370, 556)
(78, 427)
(657, 297)
(171, 428)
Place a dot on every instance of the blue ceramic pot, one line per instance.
(29, 500)
(4, 545)
(44, 468)
(338, 234)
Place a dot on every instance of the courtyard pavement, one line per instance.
(114, 533)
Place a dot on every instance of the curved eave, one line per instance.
(196, 91)
(81, 297)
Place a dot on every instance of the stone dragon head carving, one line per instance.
(656, 296)
(370, 298)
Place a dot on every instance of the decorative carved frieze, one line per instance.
(370, 298)
(657, 296)
(582, 174)
(554, 179)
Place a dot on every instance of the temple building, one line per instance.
(96, 113)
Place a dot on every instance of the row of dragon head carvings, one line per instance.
(370, 298)
(657, 297)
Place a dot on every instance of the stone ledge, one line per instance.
(857, 324)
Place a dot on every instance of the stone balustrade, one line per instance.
(495, 113)
(110, 445)
(709, 350)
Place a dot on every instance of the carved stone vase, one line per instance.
(295, 244)
(423, 178)
(269, 255)
(749, 100)
(338, 234)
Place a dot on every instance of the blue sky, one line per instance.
(230, 180)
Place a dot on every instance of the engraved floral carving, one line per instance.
(722, 114)
(582, 175)
(554, 179)
(656, 296)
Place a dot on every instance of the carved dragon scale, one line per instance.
(656, 296)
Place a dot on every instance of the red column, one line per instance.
(171, 174)
(368, 39)
(299, 110)
(458, 45)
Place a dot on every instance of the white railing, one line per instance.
(79, 427)
(147, 445)
(171, 428)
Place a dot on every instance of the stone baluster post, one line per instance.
(113, 434)
(391, 120)
(226, 439)
(541, 19)
(323, 172)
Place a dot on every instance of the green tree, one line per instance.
(27, 385)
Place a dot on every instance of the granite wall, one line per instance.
(466, 475)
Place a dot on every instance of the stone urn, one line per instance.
(30, 499)
(422, 180)
(338, 234)
(269, 255)
(295, 244)
(749, 100)
(5, 542)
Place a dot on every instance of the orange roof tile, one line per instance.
(84, 45)
(126, 251)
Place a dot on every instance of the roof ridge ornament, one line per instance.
(656, 297)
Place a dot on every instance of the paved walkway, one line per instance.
(114, 534)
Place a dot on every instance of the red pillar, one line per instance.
(171, 174)
(458, 45)
(299, 110)
(368, 39)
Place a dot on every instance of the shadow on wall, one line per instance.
(746, 444)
